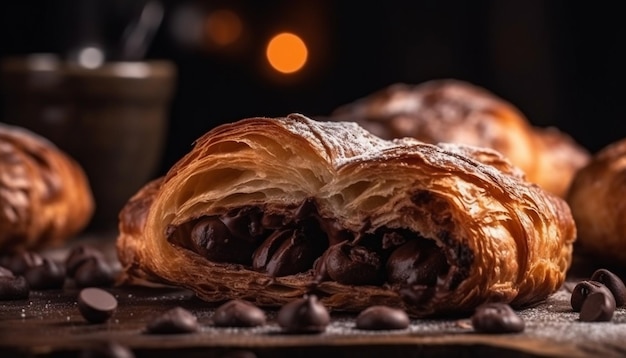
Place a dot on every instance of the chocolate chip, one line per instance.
(613, 283)
(416, 262)
(19, 262)
(303, 315)
(285, 252)
(77, 256)
(243, 224)
(94, 272)
(496, 318)
(49, 275)
(238, 313)
(213, 239)
(107, 350)
(382, 318)
(13, 288)
(174, 321)
(96, 305)
(351, 264)
(597, 307)
(582, 290)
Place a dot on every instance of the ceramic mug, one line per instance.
(112, 119)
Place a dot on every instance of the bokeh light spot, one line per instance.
(223, 27)
(286, 52)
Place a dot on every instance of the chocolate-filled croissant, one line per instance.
(596, 198)
(45, 197)
(269, 209)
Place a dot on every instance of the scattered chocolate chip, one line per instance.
(496, 318)
(5, 272)
(381, 318)
(13, 288)
(598, 307)
(94, 272)
(47, 276)
(613, 283)
(96, 305)
(238, 313)
(582, 290)
(303, 315)
(19, 262)
(174, 321)
(78, 255)
(107, 350)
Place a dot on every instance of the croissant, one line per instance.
(454, 111)
(270, 209)
(596, 199)
(45, 197)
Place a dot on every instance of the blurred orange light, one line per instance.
(223, 27)
(286, 52)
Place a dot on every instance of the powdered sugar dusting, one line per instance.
(333, 136)
(487, 164)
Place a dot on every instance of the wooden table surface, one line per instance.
(48, 324)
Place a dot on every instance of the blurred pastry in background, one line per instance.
(45, 197)
(454, 111)
(596, 198)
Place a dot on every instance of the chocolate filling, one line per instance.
(298, 239)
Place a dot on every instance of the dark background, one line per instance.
(560, 62)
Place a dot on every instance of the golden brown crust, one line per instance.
(504, 238)
(458, 112)
(596, 198)
(45, 196)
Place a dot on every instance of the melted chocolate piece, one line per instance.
(392, 239)
(238, 313)
(417, 262)
(353, 264)
(297, 239)
(497, 318)
(216, 241)
(244, 224)
(303, 315)
(285, 252)
(377, 318)
(613, 283)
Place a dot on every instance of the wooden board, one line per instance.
(48, 324)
